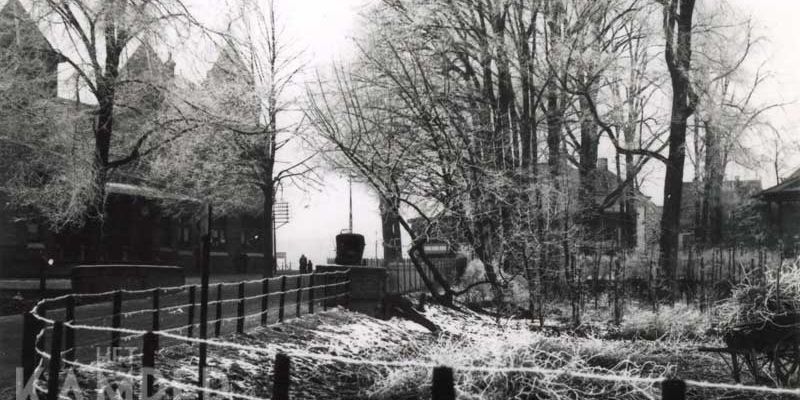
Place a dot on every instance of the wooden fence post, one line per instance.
(311, 293)
(325, 292)
(443, 384)
(281, 377)
(30, 328)
(347, 289)
(673, 389)
(55, 361)
(43, 279)
(264, 300)
(69, 333)
(149, 347)
(298, 300)
(192, 290)
(218, 322)
(282, 300)
(156, 309)
(205, 268)
(116, 318)
(240, 310)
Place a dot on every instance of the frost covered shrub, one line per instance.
(478, 342)
(515, 293)
(668, 323)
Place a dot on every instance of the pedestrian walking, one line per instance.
(303, 264)
(310, 267)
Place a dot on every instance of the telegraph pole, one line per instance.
(351, 203)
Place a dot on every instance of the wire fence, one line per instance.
(136, 328)
(49, 343)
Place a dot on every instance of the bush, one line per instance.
(678, 322)
(515, 294)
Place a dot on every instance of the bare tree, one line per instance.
(103, 43)
(677, 23)
(249, 143)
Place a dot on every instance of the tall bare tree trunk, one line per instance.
(712, 188)
(678, 55)
(268, 244)
(390, 228)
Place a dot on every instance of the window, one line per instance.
(33, 232)
(218, 238)
(186, 234)
(166, 232)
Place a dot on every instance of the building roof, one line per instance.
(606, 182)
(16, 25)
(145, 192)
(788, 190)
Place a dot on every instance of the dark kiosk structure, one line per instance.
(349, 248)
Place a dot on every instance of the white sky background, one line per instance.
(323, 29)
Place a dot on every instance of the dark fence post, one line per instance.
(443, 384)
(69, 333)
(240, 310)
(218, 322)
(149, 347)
(55, 361)
(206, 265)
(192, 290)
(347, 289)
(43, 279)
(116, 318)
(311, 293)
(156, 309)
(673, 389)
(325, 281)
(30, 328)
(282, 301)
(281, 377)
(264, 300)
(299, 297)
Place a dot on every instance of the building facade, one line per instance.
(137, 227)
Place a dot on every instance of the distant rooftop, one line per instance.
(787, 190)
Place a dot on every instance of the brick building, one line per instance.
(137, 229)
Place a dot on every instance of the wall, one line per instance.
(367, 287)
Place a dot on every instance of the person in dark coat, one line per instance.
(303, 264)
(310, 267)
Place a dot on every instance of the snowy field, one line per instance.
(344, 355)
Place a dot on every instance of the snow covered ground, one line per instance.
(345, 355)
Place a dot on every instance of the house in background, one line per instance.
(614, 227)
(611, 229)
(783, 209)
(736, 196)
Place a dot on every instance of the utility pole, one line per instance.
(350, 180)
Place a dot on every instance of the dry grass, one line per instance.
(673, 323)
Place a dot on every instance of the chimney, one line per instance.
(602, 164)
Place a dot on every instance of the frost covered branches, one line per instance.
(120, 91)
(247, 142)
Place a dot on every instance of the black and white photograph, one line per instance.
(399, 199)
